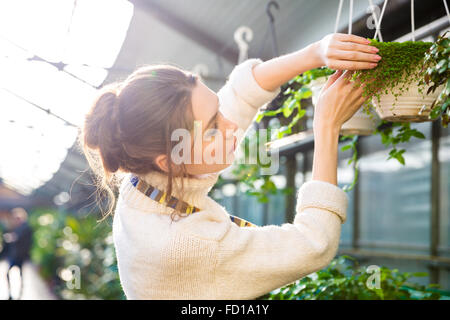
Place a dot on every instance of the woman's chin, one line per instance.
(200, 169)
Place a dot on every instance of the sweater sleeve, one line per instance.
(241, 97)
(253, 261)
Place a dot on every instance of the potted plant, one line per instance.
(397, 92)
(363, 121)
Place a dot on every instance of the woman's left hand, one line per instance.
(340, 51)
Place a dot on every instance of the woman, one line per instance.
(173, 241)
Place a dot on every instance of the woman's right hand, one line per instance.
(338, 101)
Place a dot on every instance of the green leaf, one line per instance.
(419, 274)
(259, 117)
(287, 110)
(346, 147)
(418, 134)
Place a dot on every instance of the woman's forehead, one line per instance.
(205, 103)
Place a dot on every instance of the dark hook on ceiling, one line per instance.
(269, 6)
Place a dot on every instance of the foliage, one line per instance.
(437, 74)
(294, 92)
(63, 241)
(353, 140)
(393, 133)
(292, 102)
(258, 185)
(401, 65)
(313, 74)
(344, 279)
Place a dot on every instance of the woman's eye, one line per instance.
(212, 132)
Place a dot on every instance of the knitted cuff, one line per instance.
(246, 87)
(323, 195)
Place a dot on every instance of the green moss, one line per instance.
(402, 64)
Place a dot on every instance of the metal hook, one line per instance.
(272, 25)
(269, 8)
(243, 35)
(201, 70)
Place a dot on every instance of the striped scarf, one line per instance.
(175, 203)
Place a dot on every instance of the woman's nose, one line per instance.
(231, 125)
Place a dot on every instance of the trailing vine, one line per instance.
(292, 102)
(393, 133)
(353, 141)
(401, 65)
(258, 185)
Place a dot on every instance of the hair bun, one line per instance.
(96, 118)
(101, 130)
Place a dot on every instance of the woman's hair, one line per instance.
(130, 124)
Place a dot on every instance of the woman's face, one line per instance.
(213, 139)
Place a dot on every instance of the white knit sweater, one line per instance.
(205, 255)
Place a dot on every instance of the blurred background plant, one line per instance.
(249, 172)
(63, 243)
(345, 279)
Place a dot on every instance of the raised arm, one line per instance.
(337, 51)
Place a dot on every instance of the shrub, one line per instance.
(62, 242)
(344, 279)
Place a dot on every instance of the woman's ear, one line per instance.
(161, 162)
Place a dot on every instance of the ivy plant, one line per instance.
(257, 184)
(292, 102)
(393, 133)
(345, 279)
(352, 141)
(437, 58)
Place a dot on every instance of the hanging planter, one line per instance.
(394, 83)
(412, 105)
(363, 122)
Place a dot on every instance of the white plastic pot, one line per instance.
(408, 107)
(316, 86)
(360, 124)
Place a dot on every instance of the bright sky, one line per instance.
(84, 34)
